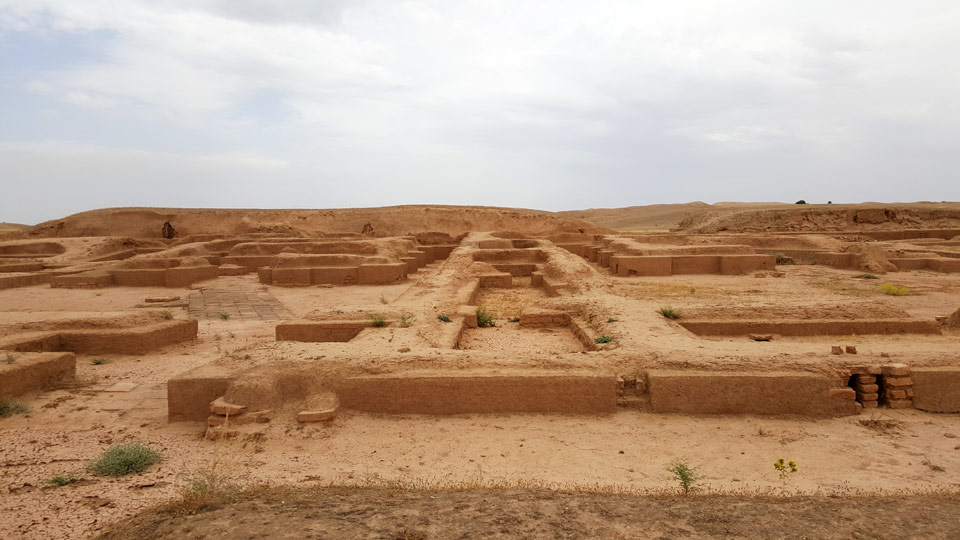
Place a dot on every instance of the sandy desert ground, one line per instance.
(299, 355)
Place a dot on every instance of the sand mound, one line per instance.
(370, 222)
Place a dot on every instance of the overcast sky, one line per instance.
(552, 105)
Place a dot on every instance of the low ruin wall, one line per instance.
(34, 371)
(189, 394)
(320, 331)
(703, 392)
(811, 328)
(460, 393)
(936, 389)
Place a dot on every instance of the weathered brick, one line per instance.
(898, 381)
(868, 388)
(895, 370)
(867, 379)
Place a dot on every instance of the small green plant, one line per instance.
(98, 361)
(98, 294)
(64, 480)
(485, 318)
(669, 313)
(123, 459)
(865, 276)
(406, 319)
(378, 321)
(783, 259)
(686, 475)
(10, 359)
(894, 290)
(224, 316)
(443, 318)
(383, 299)
(515, 319)
(10, 407)
(603, 339)
(611, 320)
(205, 488)
(784, 468)
(801, 201)
(167, 315)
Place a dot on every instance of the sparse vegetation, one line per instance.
(865, 276)
(611, 320)
(10, 407)
(378, 321)
(784, 469)
(783, 259)
(98, 361)
(64, 480)
(406, 319)
(669, 313)
(485, 318)
(205, 488)
(224, 316)
(801, 201)
(685, 475)
(10, 359)
(383, 300)
(603, 339)
(167, 315)
(515, 319)
(894, 290)
(123, 459)
(443, 318)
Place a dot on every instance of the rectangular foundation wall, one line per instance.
(465, 393)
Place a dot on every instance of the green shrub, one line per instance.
(801, 201)
(123, 459)
(485, 318)
(10, 407)
(783, 259)
(378, 321)
(611, 320)
(64, 480)
(515, 319)
(224, 316)
(865, 276)
(894, 290)
(686, 475)
(669, 313)
(603, 339)
(383, 300)
(98, 361)
(406, 319)
(443, 318)
(10, 359)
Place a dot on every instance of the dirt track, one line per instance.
(411, 514)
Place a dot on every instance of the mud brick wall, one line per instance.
(461, 393)
(34, 371)
(897, 387)
(810, 328)
(705, 392)
(500, 280)
(129, 341)
(867, 389)
(84, 280)
(183, 277)
(936, 389)
(544, 318)
(189, 394)
(381, 274)
(19, 280)
(320, 331)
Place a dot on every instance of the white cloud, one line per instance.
(563, 92)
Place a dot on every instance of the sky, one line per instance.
(553, 105)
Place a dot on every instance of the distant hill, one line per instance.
(658, 217)
(11, 227)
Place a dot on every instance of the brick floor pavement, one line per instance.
(237, 303)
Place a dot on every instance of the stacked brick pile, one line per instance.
(897, 386)
(868, 391)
